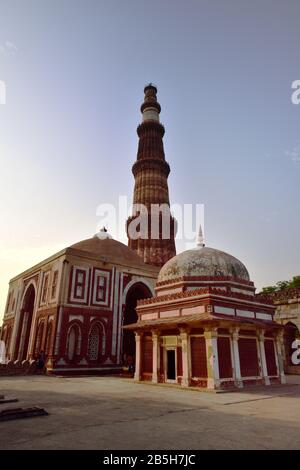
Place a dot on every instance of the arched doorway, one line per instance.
(25, 323)
(73, 343)
(136, 292)
(96, 343)
(39, 339)
(48, 339)
(291, 333)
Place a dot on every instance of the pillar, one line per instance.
(155, 356)
(213, 377)
(184, 335)
(138, 356)
(236, 358)
(279, 350)
(262, 355)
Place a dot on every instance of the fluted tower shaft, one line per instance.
(156, 241)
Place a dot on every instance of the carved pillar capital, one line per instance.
(210, 332)
(261, 335)
(235, 333)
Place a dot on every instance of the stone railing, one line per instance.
(203, 291)
(281, 296)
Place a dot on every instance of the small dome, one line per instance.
(203, 262)
(112, 251)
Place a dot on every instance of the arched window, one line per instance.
(96, 343)
(48, 339)
(39, 339)
(7, 340)
(73, 342)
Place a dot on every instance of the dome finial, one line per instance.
(103, 234)
(200, 238)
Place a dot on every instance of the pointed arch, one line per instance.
(96, 342)
(48, 338)
(25, 321)
(134, 291)
(73, 347)
(39, 339)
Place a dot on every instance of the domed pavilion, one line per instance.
(205, 326)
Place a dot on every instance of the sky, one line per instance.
(74, 73)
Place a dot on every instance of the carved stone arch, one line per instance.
(97, 340)
(135, 290)
(24, 326)
(48, 340)
(38, 347)
(133, 282)
(73, 341)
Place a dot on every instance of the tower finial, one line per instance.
(150, 108)
(200, 238)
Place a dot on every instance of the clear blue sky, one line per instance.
(75, 72)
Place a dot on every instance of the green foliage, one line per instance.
(295, 282)
(282, 285)
(268, 289)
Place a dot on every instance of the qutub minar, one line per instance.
(192, 319)
(151, 172)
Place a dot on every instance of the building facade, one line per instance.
(72, 306)
(205, 326)
(287, 303)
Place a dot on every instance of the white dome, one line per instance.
(203, 262)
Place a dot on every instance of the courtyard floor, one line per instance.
(115, 413)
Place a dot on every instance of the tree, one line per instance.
(268, 289)
(282, 286)
(295, 282)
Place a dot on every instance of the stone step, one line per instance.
(20, 413)
(11, 400)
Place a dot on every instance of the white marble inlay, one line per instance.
(224, 310)
(245, 313)
(169, 313)
(149, 316)
(264, 316)
(191, 310)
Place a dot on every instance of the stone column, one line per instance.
(184, 335)
(155, 356)
(213, 377)
(236, 358)
(279, 351)
(138, 356)
(262, 355)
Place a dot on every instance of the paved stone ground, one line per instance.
(114, 413)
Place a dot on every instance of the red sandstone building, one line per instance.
(73, 305)
(202, 326)
(205, 326)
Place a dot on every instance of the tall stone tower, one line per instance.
(151, 228)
